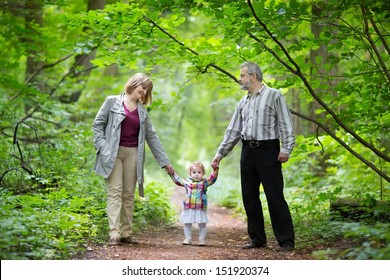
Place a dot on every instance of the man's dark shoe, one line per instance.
(251, 245)
(286, 248)
(128, 240)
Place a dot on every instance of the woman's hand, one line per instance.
(169, 169)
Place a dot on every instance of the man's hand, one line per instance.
(283, 157)
(215, 162)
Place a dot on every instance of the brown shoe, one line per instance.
(114, 242)
(128, 240)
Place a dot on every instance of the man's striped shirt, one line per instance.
(263, 116)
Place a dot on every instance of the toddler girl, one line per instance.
(195, 202)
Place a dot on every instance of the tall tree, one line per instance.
(81, 69)
(34, 22)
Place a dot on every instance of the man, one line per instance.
(261, 118)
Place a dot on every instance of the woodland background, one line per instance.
(60, 59)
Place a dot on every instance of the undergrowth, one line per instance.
(59, 224)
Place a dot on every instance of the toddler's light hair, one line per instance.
(196, 164)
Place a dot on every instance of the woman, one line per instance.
(120, 129)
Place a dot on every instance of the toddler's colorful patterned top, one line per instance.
(196, 197)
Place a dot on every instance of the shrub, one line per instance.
(61, 223)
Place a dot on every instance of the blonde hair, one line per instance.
(196, 164)
(143, 80)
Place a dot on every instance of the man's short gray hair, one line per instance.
(253, 68)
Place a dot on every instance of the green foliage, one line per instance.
(325, 174)
(155, 209)
(64, 210)
(227, 192)
(60, 224)
(52, 226)
(372, 242)
(328, 168)
(376, 241)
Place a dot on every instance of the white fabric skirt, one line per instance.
(191, 216)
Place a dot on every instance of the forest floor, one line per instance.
(225, 238)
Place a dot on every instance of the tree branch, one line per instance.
(169, 35)
(378, 32)
(36, 108)
(372, 43)
(299, 73)
(189, 49)
(342, 143)
(32, 76)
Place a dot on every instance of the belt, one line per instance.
(256, 143)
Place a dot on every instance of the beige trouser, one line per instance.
(120, 192)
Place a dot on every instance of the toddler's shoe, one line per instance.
(187, 242)
(202, 243)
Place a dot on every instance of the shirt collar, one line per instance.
(259, 92)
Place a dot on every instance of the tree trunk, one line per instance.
(83, 62)
(353, 210)
(33, 19)
(318, 68)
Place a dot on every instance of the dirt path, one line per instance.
(225, 237)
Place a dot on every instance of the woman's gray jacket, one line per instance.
(107, 130)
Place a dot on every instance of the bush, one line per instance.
(375, 241)
(59, 224)
(155, 209)
(45, 226)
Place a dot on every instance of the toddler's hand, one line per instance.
(215, 162)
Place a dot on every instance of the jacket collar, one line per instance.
(117, 107)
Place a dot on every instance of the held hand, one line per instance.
(215, 162)
(169, 169)
(283, 157)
